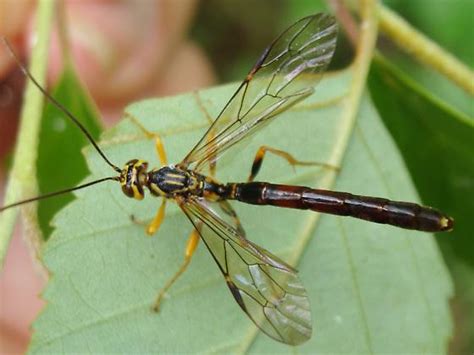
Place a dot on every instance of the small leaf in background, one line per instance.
(449, 24)
(373, 288)
(444, 21)
(60, 162)
(437, 144)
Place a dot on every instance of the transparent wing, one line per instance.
(272, 86)
(266, 288)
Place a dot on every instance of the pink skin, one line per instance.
(112, 43)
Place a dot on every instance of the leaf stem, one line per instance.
(23, 170)
(364, 53)
(425, 50)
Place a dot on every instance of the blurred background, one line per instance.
(129, 50)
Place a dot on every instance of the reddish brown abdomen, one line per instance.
(401, 214)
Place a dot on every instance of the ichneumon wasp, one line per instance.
(266, 288)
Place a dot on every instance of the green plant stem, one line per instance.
(364, 53)
(425, 50)
(23, 170)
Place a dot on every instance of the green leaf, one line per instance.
(373, 288)
(436, 142)
(61, 165)
(448, 24)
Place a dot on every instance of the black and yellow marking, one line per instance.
(133, 178)
(169, 180)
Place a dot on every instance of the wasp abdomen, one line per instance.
(401, 214)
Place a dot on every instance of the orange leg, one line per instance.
(194, 237)
(160, 150)
(159, 147)
(257, 163)
(190, 249)
(156, 222)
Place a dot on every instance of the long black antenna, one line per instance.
(58, 105)
(56, 193)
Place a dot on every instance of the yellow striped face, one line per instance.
(133, 178)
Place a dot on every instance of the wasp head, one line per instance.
(133, 178)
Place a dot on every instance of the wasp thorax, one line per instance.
(170, 180)
(133, 178)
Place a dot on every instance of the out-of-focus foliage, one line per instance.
(448, 23)
(436, 143)
(232, 31)
(60, 161)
